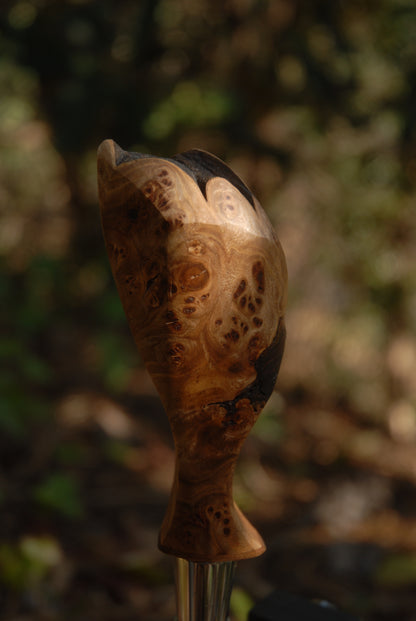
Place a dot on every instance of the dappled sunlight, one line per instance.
(34, 217)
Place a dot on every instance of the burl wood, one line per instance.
(202, 278)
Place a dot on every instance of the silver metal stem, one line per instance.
(203, 590)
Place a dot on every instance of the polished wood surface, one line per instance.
(203, 280)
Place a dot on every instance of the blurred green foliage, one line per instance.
(240, 604)
(397, 570)
(59, 492)
(29, 561)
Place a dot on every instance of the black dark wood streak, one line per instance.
(205, 166)
(198, 164)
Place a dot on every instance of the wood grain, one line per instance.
(203, 280)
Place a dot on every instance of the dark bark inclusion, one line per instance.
(199, 165)
(267, 368)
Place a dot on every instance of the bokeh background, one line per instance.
(313, 105)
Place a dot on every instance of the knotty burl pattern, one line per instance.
(202, 278)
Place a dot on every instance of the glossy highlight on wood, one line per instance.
(203, 281)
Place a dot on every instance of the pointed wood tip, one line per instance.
(109, 156)
(109, 176)
(107, 153)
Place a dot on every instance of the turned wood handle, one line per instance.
(202, 278)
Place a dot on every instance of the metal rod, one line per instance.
(203, 590)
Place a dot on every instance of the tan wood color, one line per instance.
(203, 280)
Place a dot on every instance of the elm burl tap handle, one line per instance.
(202, 278)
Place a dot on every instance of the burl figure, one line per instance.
(203, 280)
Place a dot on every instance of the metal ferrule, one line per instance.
(203, 590)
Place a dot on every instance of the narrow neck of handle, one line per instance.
(203, 590)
